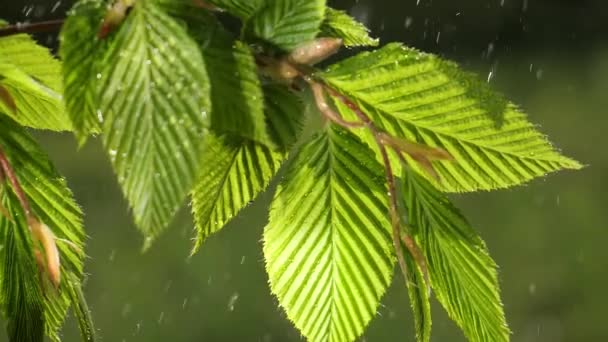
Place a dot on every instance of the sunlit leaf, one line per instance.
(327, 246)
(339, 24)
(462, 274)
(288, 23)
(53, 204)
(154, 105)
(31, 78)
(422, 98)
(235, 171)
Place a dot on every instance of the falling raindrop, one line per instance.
(232, 301)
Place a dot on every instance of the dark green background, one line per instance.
(549, 237)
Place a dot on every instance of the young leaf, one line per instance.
(53, 204)
(287, 23)
(339, 24)
(419, 298)
(32, 79)
(236, 170)
(81, 52)
(462, 274)
(419, 97)
(154, 103)
(328, 247)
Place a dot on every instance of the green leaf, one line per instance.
(419, 298)
(287, 23)
(81, 52)
(462, 274)
(81, 311)
(21, 296)
(53, 204)
(154, 103)
(236, 170)
(338, 24)
(328, 246)
(419, 97)
(32, 78)
(232, 71)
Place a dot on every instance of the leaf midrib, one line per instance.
(334, 266)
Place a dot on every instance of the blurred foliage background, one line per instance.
(549, 237)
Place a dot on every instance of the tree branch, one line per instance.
(42, 26)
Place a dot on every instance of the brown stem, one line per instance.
(325, 109)
(354, 107)
(394, 213)
(12, 178)
(42, 26)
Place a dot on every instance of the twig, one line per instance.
(37, 27)
(325, 109)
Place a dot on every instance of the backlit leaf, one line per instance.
(421, 98)
(327, 246)
(236, 170)
(462, 274)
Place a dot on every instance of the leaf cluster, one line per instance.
(188, 108)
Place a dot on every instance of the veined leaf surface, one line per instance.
(81, 52)
(417, 289)
(419, 97)
(154, 103)
(236, 170)
(53, 204)
(462, 274)
(327, 246)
